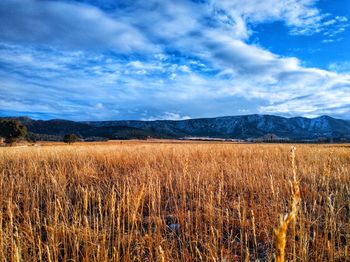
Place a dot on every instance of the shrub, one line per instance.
(70, 138)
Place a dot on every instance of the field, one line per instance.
(148, 201)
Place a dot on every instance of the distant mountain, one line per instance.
(55, 129)
(228, 127)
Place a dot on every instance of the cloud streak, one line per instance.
(67, 25)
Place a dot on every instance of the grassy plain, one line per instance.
(170, 201)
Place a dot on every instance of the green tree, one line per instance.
(12, 131)
(70, 138)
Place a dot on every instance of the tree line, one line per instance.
(12, 131)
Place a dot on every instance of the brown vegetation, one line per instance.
(172, 202)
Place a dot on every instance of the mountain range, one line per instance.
(227, 127)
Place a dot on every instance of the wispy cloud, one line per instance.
(167, 116)
(341, 67)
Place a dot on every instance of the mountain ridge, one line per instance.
(226, 127)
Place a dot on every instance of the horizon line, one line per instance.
(175, 120)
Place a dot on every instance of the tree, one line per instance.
(70, 138)
(12, 131)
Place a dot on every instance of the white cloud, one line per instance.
(99, 106)
(167, 116)
(302, 16)
(340, 67)
(184, 68)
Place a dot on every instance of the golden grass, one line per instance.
(168, 201)
(281, 231)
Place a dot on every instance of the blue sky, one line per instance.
(162, 59)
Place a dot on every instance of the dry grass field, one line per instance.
(142, 201)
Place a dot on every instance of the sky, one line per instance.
(179, 59)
